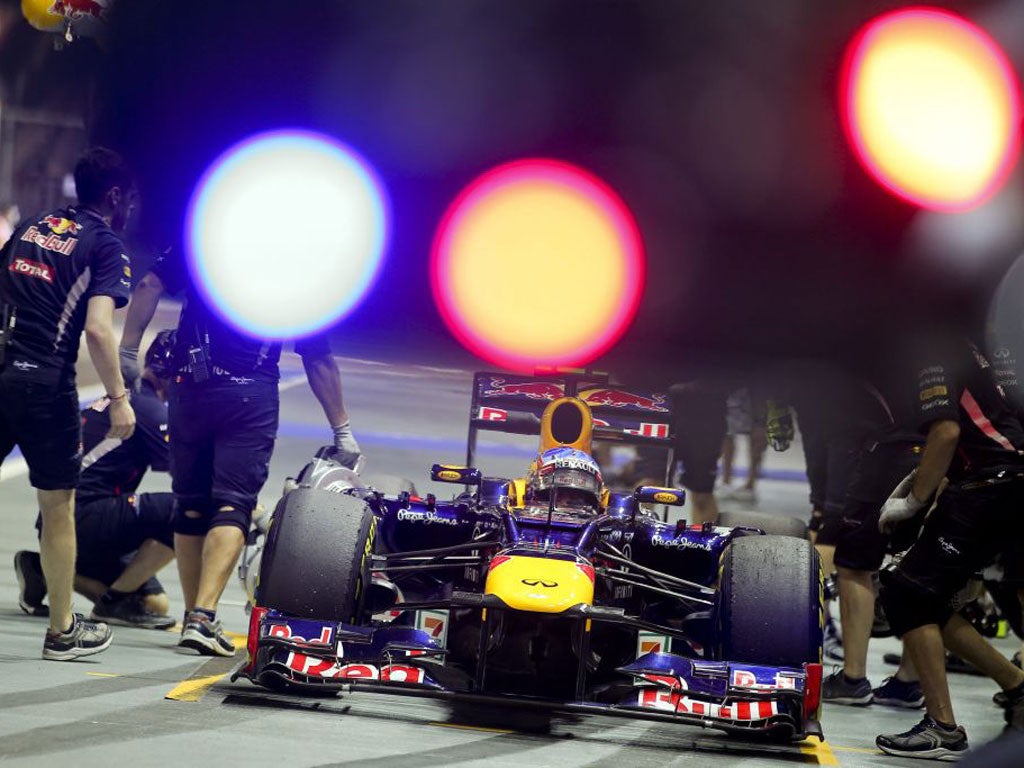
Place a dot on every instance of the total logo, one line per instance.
(30, 268)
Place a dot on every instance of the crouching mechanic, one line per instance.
(975, 441)
(123, 538)
(223, 423)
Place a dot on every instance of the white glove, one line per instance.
(901, 505)
(130, 371)
(346, 445)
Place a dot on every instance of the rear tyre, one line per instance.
(316, 563)
(770, 602)
(775, 525)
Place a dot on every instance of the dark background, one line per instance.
(717, 122)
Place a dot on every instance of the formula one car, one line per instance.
(548, 591)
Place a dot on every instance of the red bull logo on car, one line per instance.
(617, 398)
(535, 390)
(78, 9)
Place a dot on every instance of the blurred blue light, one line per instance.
(285, 233)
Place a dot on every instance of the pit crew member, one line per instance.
(60, 274)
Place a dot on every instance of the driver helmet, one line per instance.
(160, 355)
(571, 474)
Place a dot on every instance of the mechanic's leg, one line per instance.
(157, 603)
(150, 557)
(928, 653)
(963, 639)
(857, 614)
(89, 587)
(728, 458)
(57, 551)
(758, 443)
(703, 508)
(221, 550)
(188, 550)
(906, 672)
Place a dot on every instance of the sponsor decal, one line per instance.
(31, 268)
(52, 242)
(665, 498)
(61, 226)
(486, 413)
(535, 390)
(651, 642)
(417, 516)
(539, 583)
(285, 632)
(617, 398)
(25, 365)
(744, 678)
(679, 543)
(659, 431)
(448, 474)
(329, 669)
(933, 392)
(435, 624)
(673, 701)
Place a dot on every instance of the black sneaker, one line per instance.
(893, 692)
(130, 612)
(837, 689)
(84, 639)
(31, 583)
(927, 740)
(201, 634)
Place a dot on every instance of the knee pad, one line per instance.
(229, 514)
(909, 606)
(192, 516)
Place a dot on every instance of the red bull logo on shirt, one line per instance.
(52, 242)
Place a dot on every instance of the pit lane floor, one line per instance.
(113, 709)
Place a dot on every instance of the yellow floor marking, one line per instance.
(102, 674)
(471, 727)
(193, 690)
(860, 750)
(820, 751)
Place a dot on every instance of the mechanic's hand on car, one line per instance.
(901, 504)
(122, 418)
(130, 371)
(345, 443)
(779, 426)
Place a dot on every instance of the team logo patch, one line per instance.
(31, 268)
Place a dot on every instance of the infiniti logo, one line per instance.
(540, 583)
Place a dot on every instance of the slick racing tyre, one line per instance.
(316, 563)
(775, 525)
(769, 607)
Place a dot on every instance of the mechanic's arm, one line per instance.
(939, 448)
(325, 381)
(143, 305)
(99, 336)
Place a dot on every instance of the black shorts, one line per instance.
(108, 531)
(964, 534)
(699, 416)
(831, 456)
(222, 436)
(43, 421)
(876, 472)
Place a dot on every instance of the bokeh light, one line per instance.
(537, 263)
(285, 233)
(932, 108)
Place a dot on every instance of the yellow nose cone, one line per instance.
(526, 583)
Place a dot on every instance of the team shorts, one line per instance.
(831, 458)
(221, 437)
(43, 422)
(859, 544)
(699, 416)
(964, 533)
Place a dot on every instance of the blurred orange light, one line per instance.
(537, 263)
(932, 107)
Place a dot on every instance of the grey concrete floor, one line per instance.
(111, 709)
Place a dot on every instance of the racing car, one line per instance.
(548, 591)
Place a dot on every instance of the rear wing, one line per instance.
(504, 402)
